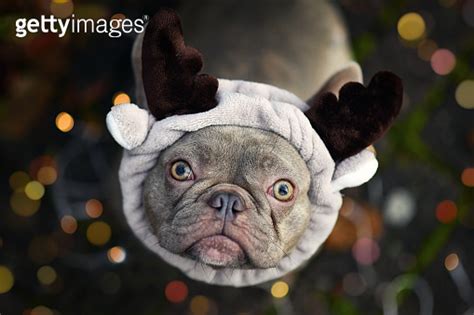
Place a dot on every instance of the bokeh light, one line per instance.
(116, 254)
(279, 289)
(98, 233)
(465, 94)
(121, 98)
(46, 275)
(399, 207)
(411, 26)
(446, 211)
(176, 291)
(199, 305)
(451, 261)
(94, 208)
(34, 190)
(41, 310)
(18, 180)
(354, 284)
(366, 251)
(64, 122)
(68, 224)
(426, 48)
(61, 8)
(47, 175)
(443, 61)
(22, 205)
(467, 177)
(6, 279)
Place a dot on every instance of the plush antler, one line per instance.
(170, 70)
(359, 117)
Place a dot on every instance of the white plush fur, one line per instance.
(245, 104)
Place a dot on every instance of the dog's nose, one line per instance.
(228, 204)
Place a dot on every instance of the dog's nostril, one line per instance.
(226, 203)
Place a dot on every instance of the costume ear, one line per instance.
(170, 70)
(129, 125)
(357, 117)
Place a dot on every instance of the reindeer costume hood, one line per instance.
(331, 132)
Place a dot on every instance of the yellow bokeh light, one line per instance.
(22, 205)
(64, 122)
(121, 98)
(46, 275)
(451, 262)
(18, 180)
(6, 279)
(467, 177)
(116, 254)
(199, 305)
(411, 26)
(98, 233)
(34, 190)
(94, 208)
(61, 8)
(41, 310)
(465, 94)
(68, 224)
(280, 289)
(47, 175)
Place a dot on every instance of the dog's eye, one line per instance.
(283, 190)
(181, 171)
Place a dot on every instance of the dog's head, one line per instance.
(229, 194)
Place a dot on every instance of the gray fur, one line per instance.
(238, 159)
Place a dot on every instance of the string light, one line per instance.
(98, 233)
(34, 190)
(199, 305)
(41, 310)
(116, 254)
(446, 211)
(47, 175)
(451, 262)
(279, 289)
(121, 98)
(176, 291)
(68, 224)
(443, 61)
(467, 177)
(61, 8)
(46, 275)
(465, 94)
(366, 251)
(6, 279)
(411, 26)
(94, 208)
(22, 205)
(64, 122)
(18, 180)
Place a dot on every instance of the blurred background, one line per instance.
(403, 244)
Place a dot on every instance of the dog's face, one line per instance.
(229, 197)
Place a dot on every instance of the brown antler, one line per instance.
(359, 117)
(170, 70)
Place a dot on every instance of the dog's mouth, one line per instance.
(218, 251)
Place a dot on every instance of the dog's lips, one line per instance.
(218, 250)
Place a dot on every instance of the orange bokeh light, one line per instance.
(446, 211)
(467, 177)
(176, 291)
(94, 208)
